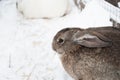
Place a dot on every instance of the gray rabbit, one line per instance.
(89, 54)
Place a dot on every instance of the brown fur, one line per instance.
(90, 63)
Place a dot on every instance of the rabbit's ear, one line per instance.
(92, 41)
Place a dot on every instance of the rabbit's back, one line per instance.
(110, 32)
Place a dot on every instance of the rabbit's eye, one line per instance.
(60, 40)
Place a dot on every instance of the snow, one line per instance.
(25, 45)
(118, 4)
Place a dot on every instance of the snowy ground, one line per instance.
(25, 45)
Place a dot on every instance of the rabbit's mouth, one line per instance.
(60, 51)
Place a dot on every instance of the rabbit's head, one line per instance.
(71, 39)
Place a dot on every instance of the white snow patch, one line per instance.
(119, 4)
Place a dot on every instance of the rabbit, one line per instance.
(89, 54)
(43, 8)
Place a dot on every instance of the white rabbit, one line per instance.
(43, 8)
